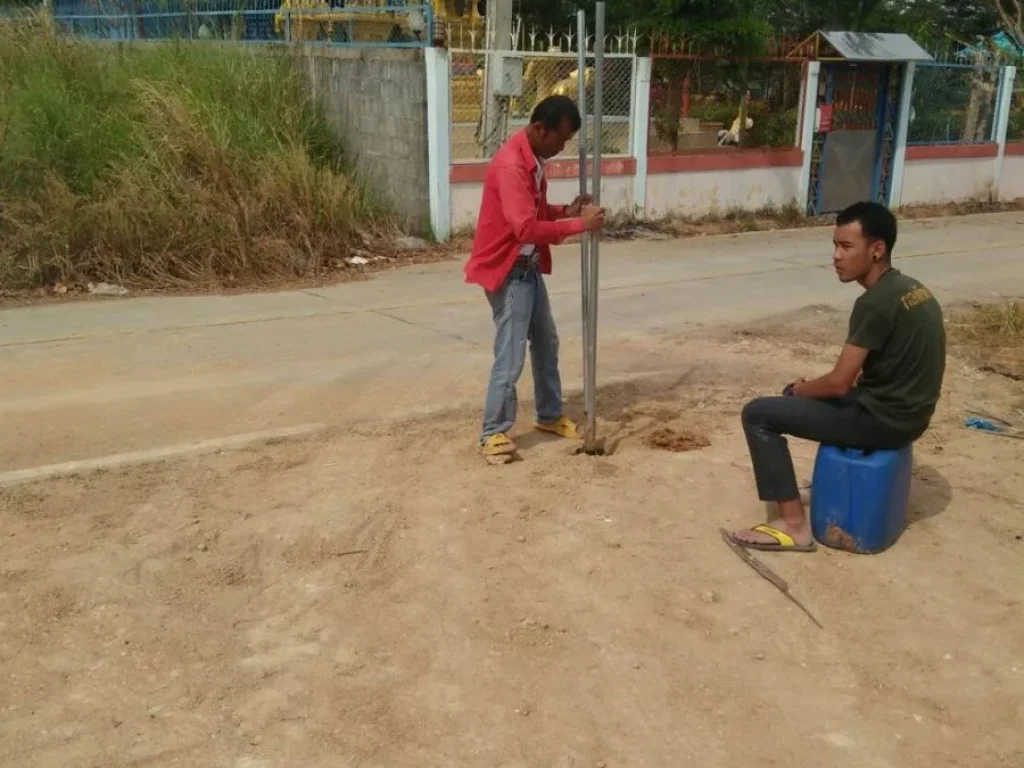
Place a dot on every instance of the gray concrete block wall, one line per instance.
(375, 99)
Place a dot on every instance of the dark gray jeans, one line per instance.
(844, 423)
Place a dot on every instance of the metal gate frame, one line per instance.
(886, 124)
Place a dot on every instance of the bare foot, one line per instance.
(801, 535)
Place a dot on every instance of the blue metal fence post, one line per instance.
(881, 115)
(1001, 124)
(822, 143)
(809, 109)
(899, 160)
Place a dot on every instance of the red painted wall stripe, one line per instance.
(465, 173)
(1015, 147)
(951, 151)
(725, 160)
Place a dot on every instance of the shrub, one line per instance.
(165, 164)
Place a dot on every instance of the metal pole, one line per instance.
(590, 442)
(581, 36)
(497, 43)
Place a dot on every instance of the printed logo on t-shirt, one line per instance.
(915, 298)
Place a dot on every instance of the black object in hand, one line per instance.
(788, 390)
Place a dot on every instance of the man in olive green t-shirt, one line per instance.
(882, 392)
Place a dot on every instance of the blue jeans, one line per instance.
(522, 313)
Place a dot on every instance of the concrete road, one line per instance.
(87, 380)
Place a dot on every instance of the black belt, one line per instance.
(528, 260)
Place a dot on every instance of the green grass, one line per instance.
(165, 165)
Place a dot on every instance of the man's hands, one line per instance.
(790, 389)
(581, 207)
(593, 218)
(575, 208)
(837, 382)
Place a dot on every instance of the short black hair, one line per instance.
(553, 110)
(876, 222)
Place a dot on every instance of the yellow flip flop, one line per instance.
(783, 541)
(563, 427)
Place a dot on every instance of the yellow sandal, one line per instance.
(783, 541)
(563, 427)
(498, 445)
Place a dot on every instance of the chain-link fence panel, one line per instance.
(1015, 127)
(387, 23)
(696, 104)
(953, 104)
(476, 134)
(467, 100)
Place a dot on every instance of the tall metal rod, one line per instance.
(590, 443)
(581, 36)
(581, 88)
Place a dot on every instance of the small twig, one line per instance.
(350, 552)
(767, 573)
(1011, 435)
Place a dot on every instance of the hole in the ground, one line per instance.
(598, 448)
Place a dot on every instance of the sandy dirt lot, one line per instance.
(378, 597)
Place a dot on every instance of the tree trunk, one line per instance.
(1011, 16)
(673, 111)
(979, 107)
(744, 74)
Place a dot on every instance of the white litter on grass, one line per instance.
(411, 243)
(106, 289)
(357, 261)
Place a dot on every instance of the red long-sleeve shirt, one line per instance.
(513, 213)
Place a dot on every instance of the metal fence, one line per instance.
(953, 104)
(546, 63)
(389, 23)
(696, 102)
(543, 75)
(1015, 126)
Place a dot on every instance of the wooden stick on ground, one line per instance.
(767, 573)
(1011, 434)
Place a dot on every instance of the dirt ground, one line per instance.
(379, 597)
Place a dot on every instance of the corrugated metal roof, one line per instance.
(876, 46)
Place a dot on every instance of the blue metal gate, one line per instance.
(852, 157)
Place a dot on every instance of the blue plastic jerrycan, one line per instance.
(859, 498)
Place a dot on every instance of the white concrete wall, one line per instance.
(1011, 183)
(950, 180)
(616, 196)
(704, 193)
(465, 205)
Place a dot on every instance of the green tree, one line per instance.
(735, 29)
(559, 15)
(802, 17)
(1011, 16)
(935, 21)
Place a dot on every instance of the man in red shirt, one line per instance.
(511, 250)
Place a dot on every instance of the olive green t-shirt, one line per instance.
(900, 322)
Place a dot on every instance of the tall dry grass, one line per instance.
(991, 335)
(166, 165)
